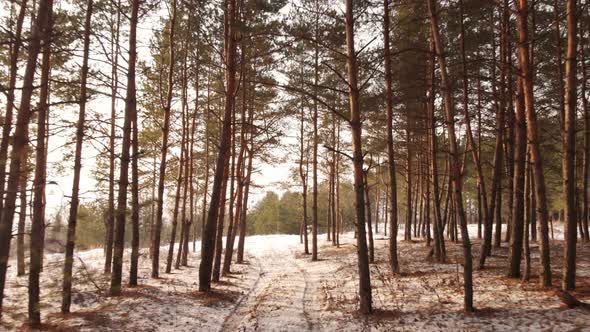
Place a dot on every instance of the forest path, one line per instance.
(281, 299)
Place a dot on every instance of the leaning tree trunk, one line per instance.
(365, 306)
(130, 110)
(40, 31)
(208, 238)
(454, 168)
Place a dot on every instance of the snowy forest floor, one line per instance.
(280, 289)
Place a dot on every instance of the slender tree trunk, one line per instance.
(185, 228)
(486, 248)
(40, 31)
(208, 238)
(164, 152)
(243, 216)
(234, 224)
(130, 110)
(368, 217)
(569, 144)
(72, 220)
(533, 138)
(314, 207)
(408, 226)
(559, 59)
(133, 266)
(221, 218)
(179, 187)
(454, 155)
(586, 149)
(207, 163)
(20, 236)
(527, 213)
(338, 210)
(471, 141)
(439, 244)
(192, 193)
(10, 97)
(303, 174)
(39, 183)
(114, 89)
(365, 306)
(518, 211)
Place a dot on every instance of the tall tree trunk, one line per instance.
(192, 193)
(527, 213)
(559, 59)
(221, 218)
(207, 163)
(454, 155)
(586, 149)
(533, 138)
(408, 226)
(314, 205)
(518, 212)
(368, 216)
(365, 306)
(133, 266)
(130, 110)
(73, 218)
(40, 31)
(244, 214)
(38, 222)
(338, 210)
(486, 247)
(208, 238)
(179, 187)
(20, 236)
(333, 187)
(10, 97)
(164, 152)
(471, 141)
(303, 171)
(114, 89)
(234, 224)
(569, 144)
(439, 244)
(185, 229)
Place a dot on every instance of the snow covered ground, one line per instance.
(280, 289)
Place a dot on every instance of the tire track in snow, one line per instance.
(225, 326)
(278, 300)
(304, 298)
